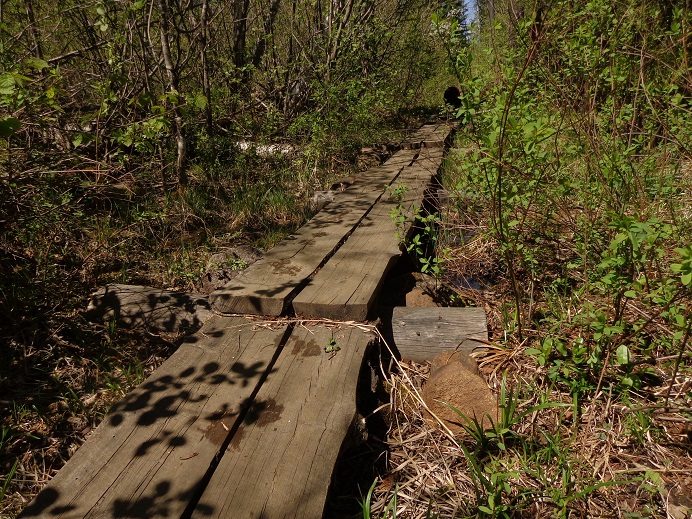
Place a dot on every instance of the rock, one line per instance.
(242, 253)
(321, 199)
(150, 309)
(469, 393)
(426, 282)
(418, 298)
(446, 357)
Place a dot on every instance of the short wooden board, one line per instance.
(265, 286)
(151, 453)
(347, 286)
(280, 462)
(438, 136)
(419, 334)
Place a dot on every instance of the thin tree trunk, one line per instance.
(35, 40)
(240, 31)
(343, 19)
(173, 89)
(206, 86)
(268, 32)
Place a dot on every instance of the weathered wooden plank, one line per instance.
(265, 286)
(430, 158)
(438, 136)
(419, 334)
(152, 451)
(416, 180)
(280, 461)
(347, 286)
(408, 190)
(422, 134)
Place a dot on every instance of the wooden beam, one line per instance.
(347, 286)
(151, 453)
(265, 286)
(281, 460)
(419, 334)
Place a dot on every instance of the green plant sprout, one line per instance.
(332, 346)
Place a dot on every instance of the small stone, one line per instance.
(418, 298)
(322, 198)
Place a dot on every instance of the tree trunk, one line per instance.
(206, 86)
(268, 32)
(172, 74)
(35, 40)
(241, 8)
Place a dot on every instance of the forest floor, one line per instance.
(61, 371)
(573, 439)
(595, 450)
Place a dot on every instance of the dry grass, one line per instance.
(581, 443)
(555, 464)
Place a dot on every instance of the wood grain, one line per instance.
(153, 449)
(280, 461)
(419, 334)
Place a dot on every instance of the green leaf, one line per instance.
(623, 355)
(627, 380)
(200, 101)
(7, 84)
(8, 126)
(36, 63)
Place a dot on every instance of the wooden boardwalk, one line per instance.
(332, 267)
(247, 417)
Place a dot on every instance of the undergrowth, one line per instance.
(569, 196)
(68, 230)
